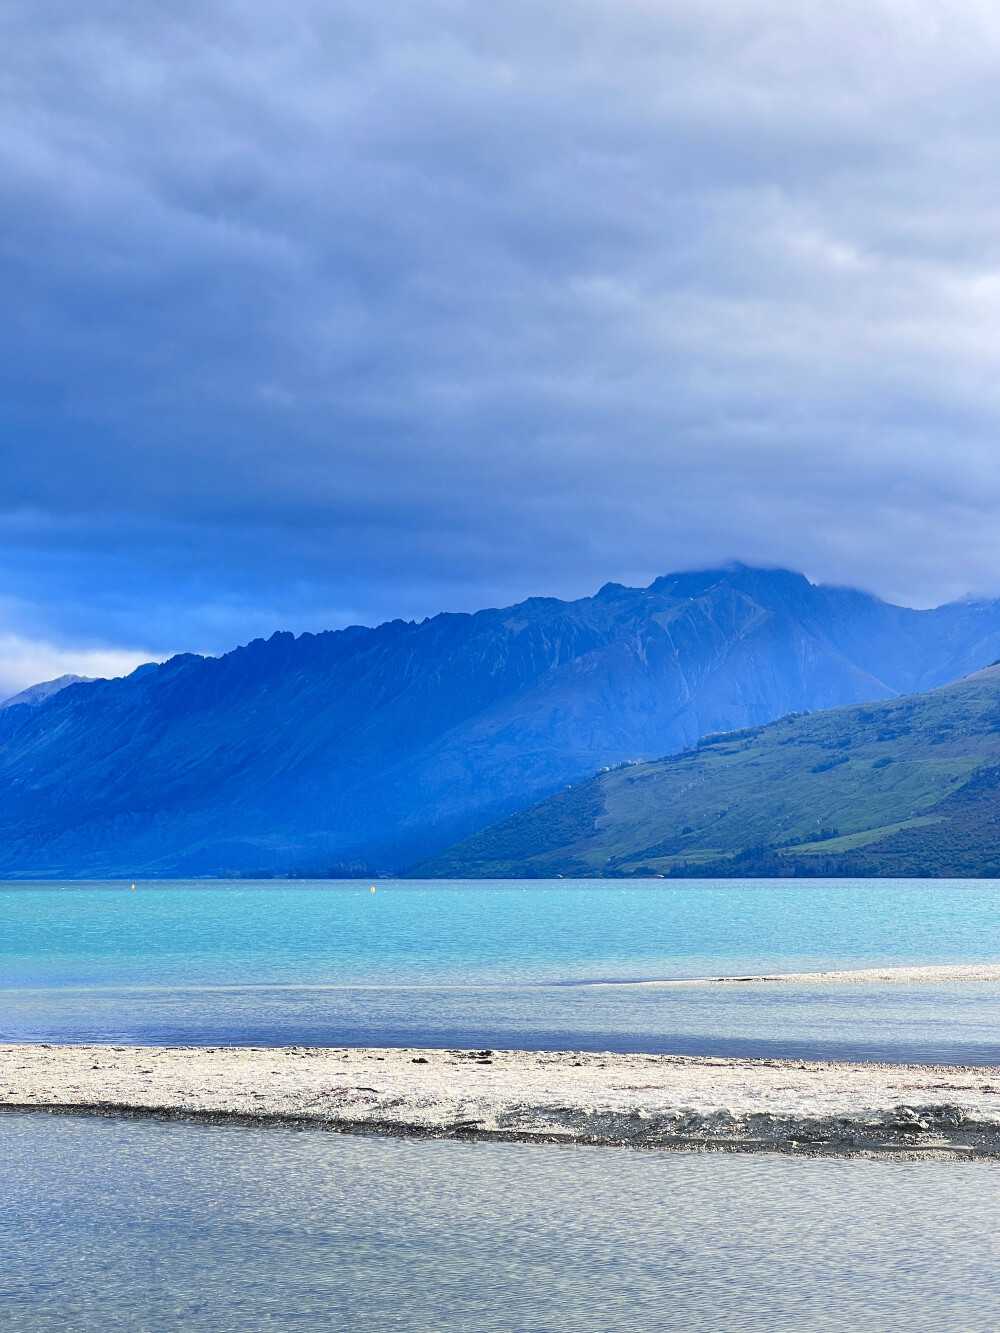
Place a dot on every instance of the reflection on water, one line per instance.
(141, 1226)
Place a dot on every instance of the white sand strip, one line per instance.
(642, 1100)
(860, 975)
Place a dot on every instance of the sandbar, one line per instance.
(935, 972)
(579, 1097)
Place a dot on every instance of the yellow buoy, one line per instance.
(373, 888)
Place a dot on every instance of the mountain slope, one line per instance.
(383, 745)
(910, 786)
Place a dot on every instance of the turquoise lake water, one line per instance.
(148, 1227)
(504, 963)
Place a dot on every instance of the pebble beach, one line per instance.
(641, 1101)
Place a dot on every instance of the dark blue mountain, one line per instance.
(379, 746)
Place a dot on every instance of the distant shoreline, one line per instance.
(641, 1101)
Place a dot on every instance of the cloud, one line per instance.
(26, 662)
(317, 313)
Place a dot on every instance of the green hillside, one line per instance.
(910, 786)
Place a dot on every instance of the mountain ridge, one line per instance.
(35, 695)
(379, 746)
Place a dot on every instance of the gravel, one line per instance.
(647, 1101)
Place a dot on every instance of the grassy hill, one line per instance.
(909, 786)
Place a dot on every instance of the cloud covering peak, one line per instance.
(327, 312)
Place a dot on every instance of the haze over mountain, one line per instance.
(906, 787)
(37, 694)
(380, 746)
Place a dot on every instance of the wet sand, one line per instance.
(643, 1101)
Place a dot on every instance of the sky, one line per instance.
(332, 311)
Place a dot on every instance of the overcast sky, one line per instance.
(336, 310)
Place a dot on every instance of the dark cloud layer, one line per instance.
(320, 312)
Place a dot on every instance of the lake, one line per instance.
(502, 964)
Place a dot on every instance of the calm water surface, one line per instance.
(500, 963)
(128, 1225)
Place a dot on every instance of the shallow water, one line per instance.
(501, 964)
(144, 1226)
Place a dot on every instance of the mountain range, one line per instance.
(370, 748)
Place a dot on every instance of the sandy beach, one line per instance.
(642, 1101)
